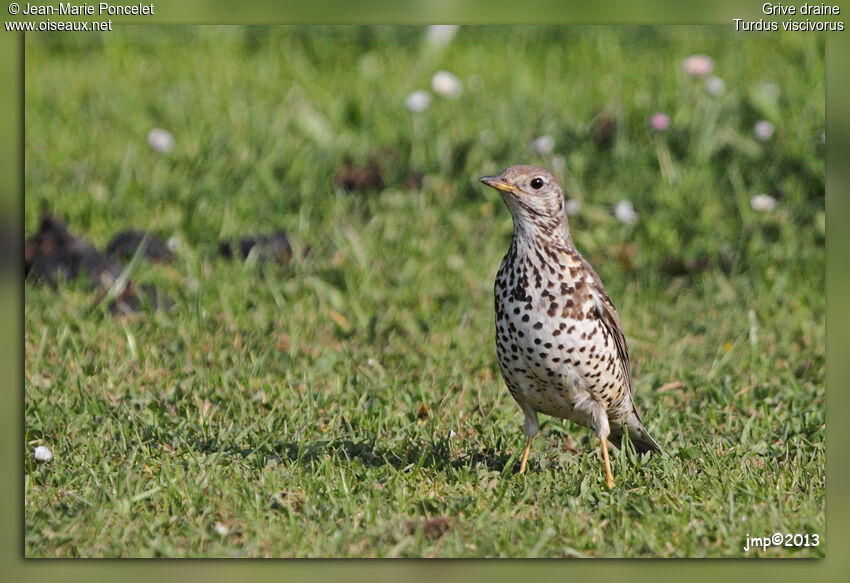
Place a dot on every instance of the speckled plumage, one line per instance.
(559, 342)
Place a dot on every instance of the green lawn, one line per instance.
(349, 404)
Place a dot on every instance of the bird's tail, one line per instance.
(638, 435)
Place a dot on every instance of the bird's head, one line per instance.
(534, 198)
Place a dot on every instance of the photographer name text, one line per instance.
(100, 9)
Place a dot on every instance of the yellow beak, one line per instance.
(499, 184)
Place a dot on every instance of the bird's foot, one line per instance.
(525, 452)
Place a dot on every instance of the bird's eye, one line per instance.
(537, 183)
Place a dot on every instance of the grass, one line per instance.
(349, 404)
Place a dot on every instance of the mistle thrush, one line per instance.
(559, 342)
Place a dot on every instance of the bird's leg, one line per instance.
(603, 430)
(531, 428)
(525, 453)
(609, 477)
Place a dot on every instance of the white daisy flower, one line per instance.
(698, 65)
(445, 84)
(417, 102)
(763, 130)
(544, 144)
(42, 454)
(160, 140)
(625, 212)
(572, 206)
(714, 85)
(763, 203)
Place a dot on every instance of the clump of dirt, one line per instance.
(124, 245)
(354, 178)
(53, 255)
(274, 247)
(432, 528)
(676, 266)
(604, 129)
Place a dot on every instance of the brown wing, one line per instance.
(608, 315)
